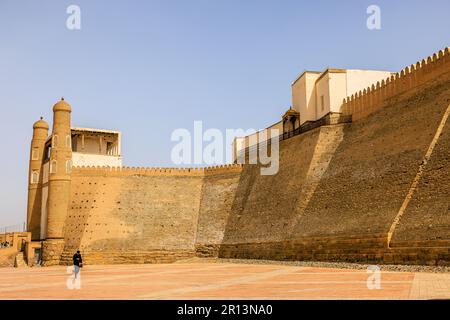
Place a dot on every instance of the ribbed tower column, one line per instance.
(58, 183)
(40, 134)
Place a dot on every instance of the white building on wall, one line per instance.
(96, 147)
(315, 94)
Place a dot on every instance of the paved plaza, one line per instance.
(218, 281)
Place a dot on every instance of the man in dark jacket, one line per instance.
(77, 262)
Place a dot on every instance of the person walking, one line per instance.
(77, 262)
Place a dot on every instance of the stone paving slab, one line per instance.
(218, 281)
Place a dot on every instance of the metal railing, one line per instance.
(305, 127)
(13, 228)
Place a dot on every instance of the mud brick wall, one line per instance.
(426, 220)
(218, 193)
(7, 257)
(335, 197)
(132, 218)
(339, 189)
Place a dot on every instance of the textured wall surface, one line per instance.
(217, 199)
(133, 218)
(7, 256)
(339, 189)
(427, 217)
(264, 208)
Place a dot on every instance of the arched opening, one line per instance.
(68, 166)
(53, 166)
(69, 141)
(35, 177)
(55, 141)
(35, 154)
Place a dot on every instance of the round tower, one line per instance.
(60, 166)
(40, 134)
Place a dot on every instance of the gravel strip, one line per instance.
(320, 264)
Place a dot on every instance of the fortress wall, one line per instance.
(410, 80)
(335, 197)
(132, 215)
(426, 221)
(339, 189)
(263, 206)
(7, 257)
(137, 215)
(218, 192)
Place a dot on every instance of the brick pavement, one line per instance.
(218, 281)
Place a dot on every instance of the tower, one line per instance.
(40, 133)
(60, 166)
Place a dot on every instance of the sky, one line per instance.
(147, 68)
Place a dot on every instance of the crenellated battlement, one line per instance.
(410, 79)
(151, 171)
(131, 171)
(208, 171)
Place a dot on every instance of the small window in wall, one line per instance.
(322, 102)
(35, 177)
(55, 141)
(68, 166)
(35, 154)
(47, 152)
(68, 141)
(53, 166)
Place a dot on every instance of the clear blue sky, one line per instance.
(149, 67)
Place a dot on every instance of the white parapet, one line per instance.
(86, 159)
